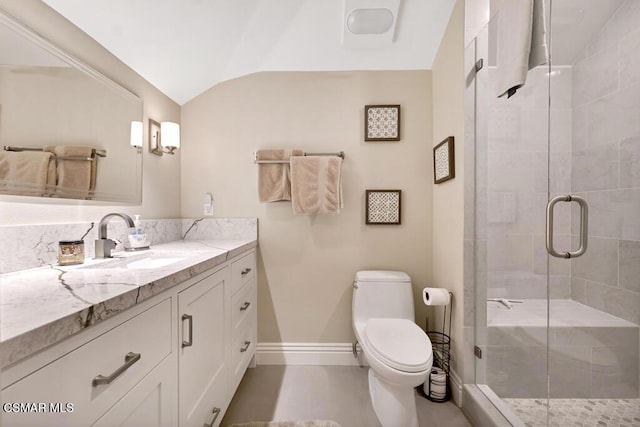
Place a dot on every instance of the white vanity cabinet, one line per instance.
(86, 381)
(203, 359)
(175, 359)
(243, 316)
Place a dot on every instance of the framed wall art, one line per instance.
(444, 165)
(383, 206)
(382, 122)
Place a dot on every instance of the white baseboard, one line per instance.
(456, 387)
(307, 354)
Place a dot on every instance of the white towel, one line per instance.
(522, 43)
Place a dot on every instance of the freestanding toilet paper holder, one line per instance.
(437, 388)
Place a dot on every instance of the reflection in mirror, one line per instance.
(65, 129)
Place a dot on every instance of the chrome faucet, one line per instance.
(104, 246)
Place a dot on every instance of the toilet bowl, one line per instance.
(398, 352)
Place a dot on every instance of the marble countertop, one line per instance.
(42, 306)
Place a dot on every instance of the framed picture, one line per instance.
(154, 138)
(444, 165)
(382, 123)
(383, 206)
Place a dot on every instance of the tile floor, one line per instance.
(578, 412)
(338, 393)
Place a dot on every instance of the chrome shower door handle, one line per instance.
(584, 226)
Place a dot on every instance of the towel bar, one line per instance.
(98, 153)
(255, 157)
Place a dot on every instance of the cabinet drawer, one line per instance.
(242, 270)
(243, 348)
(96, 375)
(243, 304)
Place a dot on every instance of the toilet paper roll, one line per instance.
(435, 296)
(436, 387)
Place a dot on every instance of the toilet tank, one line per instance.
(382, 294)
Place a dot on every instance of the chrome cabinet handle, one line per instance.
(216, 412)
(245, 306)
(129, 360)
(246, 346)
(189, 318)
(584, 226)
(245, 271)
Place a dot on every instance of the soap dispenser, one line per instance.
(137, 236)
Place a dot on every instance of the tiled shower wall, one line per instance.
(605, 160)
(517, 152)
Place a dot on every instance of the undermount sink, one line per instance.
(139, 262)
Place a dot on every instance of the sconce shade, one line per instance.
(170, 135)
(370, 21)
(136, 134)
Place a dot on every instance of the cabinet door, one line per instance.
(203, 362)
(151, 403)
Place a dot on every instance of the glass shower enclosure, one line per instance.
(557, 222)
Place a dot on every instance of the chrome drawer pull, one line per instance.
(129, 360)
(190, 319)
(245, 306)
(245, 271)
(216, 412)
(246, 346)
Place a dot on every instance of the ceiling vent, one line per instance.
(369, 23)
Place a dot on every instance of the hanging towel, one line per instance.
(76, 178)
(274, 179)
(27, 173)
(522, 43)
(316, 185)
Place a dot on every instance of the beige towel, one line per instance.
(27, 173)
(76, 178)
(316, 185)
(274, 179)
(522, 43)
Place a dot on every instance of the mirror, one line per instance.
(65, 129)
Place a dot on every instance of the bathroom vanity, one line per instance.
(155, 338)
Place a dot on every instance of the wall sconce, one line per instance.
(136, 136)
(164, 138)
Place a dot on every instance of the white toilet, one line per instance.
(398, 351)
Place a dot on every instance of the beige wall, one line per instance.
(307, 264)
(448, 197)
(161, 175)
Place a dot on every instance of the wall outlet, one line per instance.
(208, 204)
(208, 210)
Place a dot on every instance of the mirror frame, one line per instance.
(31, 35)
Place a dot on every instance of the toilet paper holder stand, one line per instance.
(441, 347)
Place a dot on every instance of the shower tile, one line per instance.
(595, 336)
(630, 59)
(599, 263)
(561, 78)
(560, 287)
(524, 285)
(594, 168)
(614, 117)
(615, 213)
(557, 266)
(569, 371)
(630, 162)
(618, 302)
(529, 382)
(614, 372)
(525, 212)
(579, 290)
(552, 171)
(595, 76)
(630, 265)
(468, 282)
(510, 171)
(534, 129)
(504, 128)
(516, 336)
(512, 253)
(560, 135)
(579, 128)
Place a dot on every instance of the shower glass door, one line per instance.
(558, 334)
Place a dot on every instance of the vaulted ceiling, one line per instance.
(184, 47)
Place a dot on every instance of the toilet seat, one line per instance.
(399, 343)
